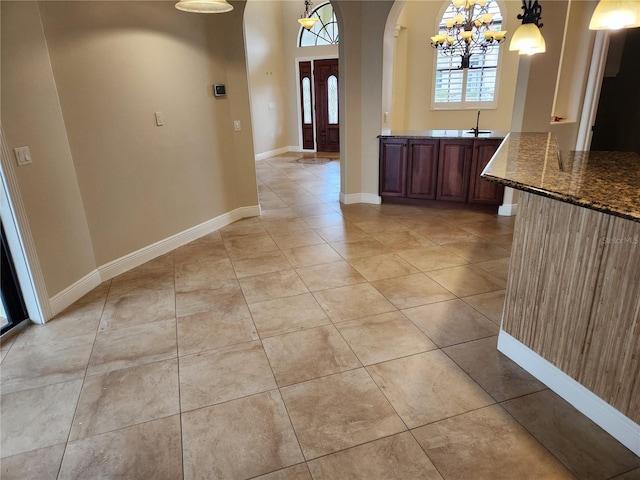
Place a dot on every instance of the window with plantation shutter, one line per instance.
(475, 87)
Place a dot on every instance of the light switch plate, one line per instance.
(23, 156)
(236, 126)
(159, 119)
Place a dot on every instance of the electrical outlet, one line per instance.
(23, 156)
(236, 126)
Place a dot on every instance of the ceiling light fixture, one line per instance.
(527, 39)
(469, 31)
(305, 20)
(615, 14)
(204, 6)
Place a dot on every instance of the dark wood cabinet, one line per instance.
(408, 168)
(454, 167)
(444, 170)
(481, 191)
(393, 167)
(422, 169)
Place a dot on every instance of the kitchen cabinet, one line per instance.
(481, 191)
(393, 167)
(454, 168)
(441, 170)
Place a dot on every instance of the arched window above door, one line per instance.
(324, 32)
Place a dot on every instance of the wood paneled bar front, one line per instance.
(572, 305)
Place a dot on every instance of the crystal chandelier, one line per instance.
(468, 31)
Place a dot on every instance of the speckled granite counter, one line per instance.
(608, 182)
(443, 134)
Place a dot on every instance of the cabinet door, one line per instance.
(481, 191)
(393, 167)
(422, 164)
(454, 166)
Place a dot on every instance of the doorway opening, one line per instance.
(318, 93)
(612, 129)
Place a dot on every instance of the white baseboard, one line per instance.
(271, 153)
(508, 209)
(349, 198)
(600, 412)
(74, 292)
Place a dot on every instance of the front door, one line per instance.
(326, 93)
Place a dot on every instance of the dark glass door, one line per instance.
(13, 309)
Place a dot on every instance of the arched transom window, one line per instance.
(473, 87)
(324, 32)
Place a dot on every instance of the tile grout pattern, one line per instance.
(316, 341)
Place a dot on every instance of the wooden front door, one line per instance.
(326, 93)
(306, 105)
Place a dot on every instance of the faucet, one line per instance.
(477, 129)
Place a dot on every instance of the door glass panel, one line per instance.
(306, 100)
(332, 99)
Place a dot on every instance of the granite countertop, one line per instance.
(605, 181)
(443, 134)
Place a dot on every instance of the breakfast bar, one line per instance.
(572, 306)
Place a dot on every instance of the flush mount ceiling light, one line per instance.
(615, 14)
(528, 39)
(204, 6)
(305, 20)
(470, 30)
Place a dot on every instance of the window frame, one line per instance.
(304, 31)
(464, 104)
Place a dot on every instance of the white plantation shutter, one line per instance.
(473, 87)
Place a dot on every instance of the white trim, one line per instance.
(508, 209)
(123, 264)
(271, 153)
(23, 250)
(134, 259)
(69, 295)
(350, 198)
(611, 420)
(592, 92)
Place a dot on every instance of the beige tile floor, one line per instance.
(317, 341)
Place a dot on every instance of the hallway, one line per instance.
(317, 341)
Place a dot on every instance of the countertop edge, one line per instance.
(633, 215)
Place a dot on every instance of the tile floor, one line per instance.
(318, 341)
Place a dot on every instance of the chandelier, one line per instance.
(305, 19)
(468, 31)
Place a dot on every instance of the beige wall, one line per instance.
(272, 31)
(31, 116)
(413, 89)
(114, 65)
(266, 64)
(362, 28)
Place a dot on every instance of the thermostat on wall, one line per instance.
(219, 90)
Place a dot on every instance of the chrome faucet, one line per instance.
(477, 129)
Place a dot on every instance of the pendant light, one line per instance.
(305, 20)
(204, 6)
(527, 39)
(615, 14)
